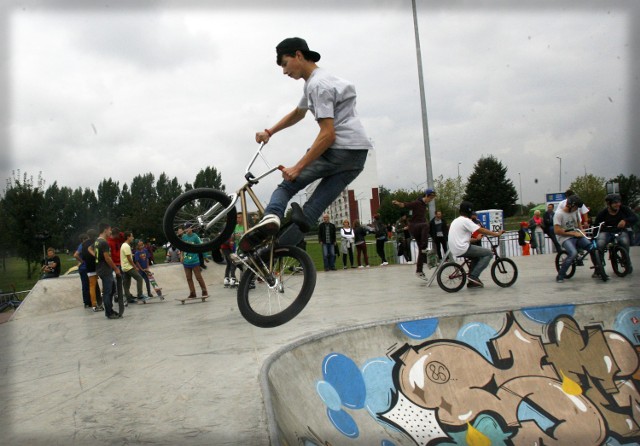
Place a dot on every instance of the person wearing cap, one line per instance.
(418, 226)
(566, 225)
(616, 218)
(460, 244)
(191, 263)
(338, 152)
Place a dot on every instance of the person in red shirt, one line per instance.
(115, 241)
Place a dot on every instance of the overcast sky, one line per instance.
(94, 90)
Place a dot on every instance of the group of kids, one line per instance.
(106, 252)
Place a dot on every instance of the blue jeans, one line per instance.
(329, 255)
(571, 246)
(108, 287)
(539, 236)
(336, 167)
(480, 258)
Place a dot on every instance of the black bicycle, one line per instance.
(591, 234)
(278, 278)
(618, 255)
(452, 275)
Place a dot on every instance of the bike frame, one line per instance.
(242, 193)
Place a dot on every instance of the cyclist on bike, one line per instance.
(460, 244)
(617, 218)
(338, 152)
(566, 223)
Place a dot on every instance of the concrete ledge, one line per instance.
(65, 292)
(372, 384)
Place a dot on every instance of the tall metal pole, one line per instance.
(521, 203)
(560, 180)
(425, 126)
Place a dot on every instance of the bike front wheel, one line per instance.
(199, 207)
(560, 259)
(451, 277)
(280, 293)
(620, 261)
(504, 272)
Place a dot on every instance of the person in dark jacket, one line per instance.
(327, 239)
(439, 231)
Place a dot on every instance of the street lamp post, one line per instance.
(459, 169)
(521, 203)
(560, 180)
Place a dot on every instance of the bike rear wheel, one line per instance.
(504, 272)
(451, 277)
(284, 290)
(199, 207)
(620, 261)
(560, 259)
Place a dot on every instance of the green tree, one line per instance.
(210, 178)
(449, 195)
(109, 199)
(629, 189)
(591, 190)
(25, 222)
(489, 188)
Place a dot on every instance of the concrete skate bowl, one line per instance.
(547, 375)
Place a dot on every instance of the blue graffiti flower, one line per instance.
(544, 315)
(377, 375)
(343, 422)
(420, 329)
(627, 323)
(477, 335)
(344, 375)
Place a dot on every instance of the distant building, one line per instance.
(360, 200)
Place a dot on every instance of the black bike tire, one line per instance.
(572, 268)
(619, 260)
(503, 262)
(296, 305)
(597, 265)
(459, 272)
(171, 221)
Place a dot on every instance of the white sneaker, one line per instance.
(233, 282)
(226, 282)
(421, 275)
(384, 263)
(268, 226)
(361, 266)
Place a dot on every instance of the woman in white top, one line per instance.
(346, 243)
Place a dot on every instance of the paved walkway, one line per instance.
(169, 374)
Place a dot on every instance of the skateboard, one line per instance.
(152, 299)
(192, 299)
(154, 284)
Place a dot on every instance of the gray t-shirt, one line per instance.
(328, 96)
(567, 221)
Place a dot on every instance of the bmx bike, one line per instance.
(278, 278)
(453, 275)
(618, 256)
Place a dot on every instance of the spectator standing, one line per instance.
(115, 241)
(105, 268)
(327, 239)
(141, 259)
(191, 263)
(418, 226)
(439, 231)
(50, 265)
(548, 226)
(380, 231)
(524, 238)
(129, 268)
(536, 226)
(359, 233)
(403, 238)
(88, 256)
(173, 254)
(347, 238)
(82, 272)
